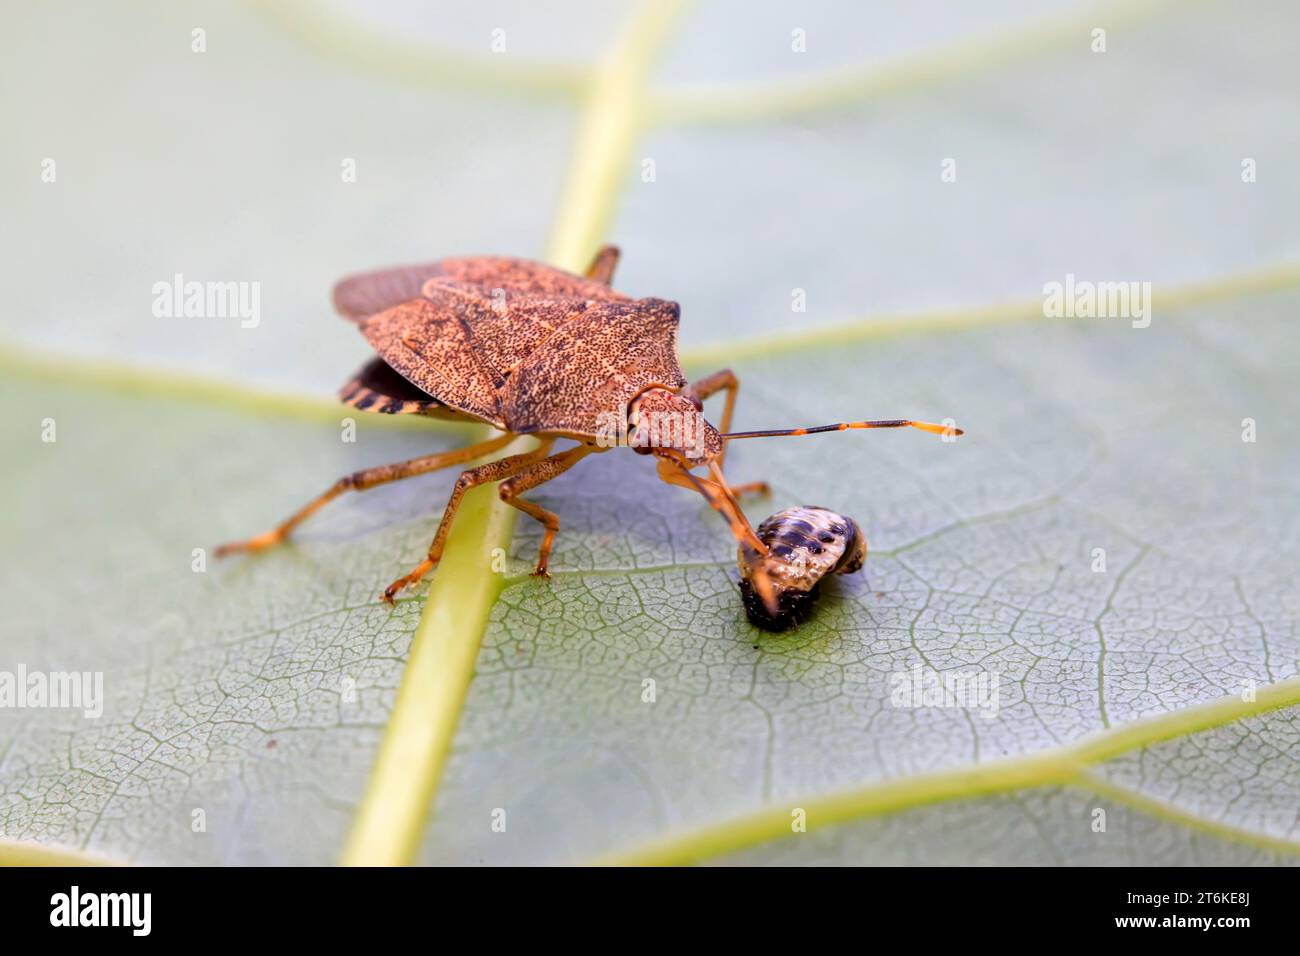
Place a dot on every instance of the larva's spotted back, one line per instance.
(806, 544)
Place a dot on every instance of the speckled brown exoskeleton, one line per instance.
(533, 350)
(806, 545)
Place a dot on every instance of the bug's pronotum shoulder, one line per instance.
(599, 356)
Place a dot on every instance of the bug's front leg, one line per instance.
(532, 476)
(471, 478)
(724, 380)
(719, 497)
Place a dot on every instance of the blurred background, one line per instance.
(772, 169)
(857, 206)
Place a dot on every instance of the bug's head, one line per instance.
(663, 422)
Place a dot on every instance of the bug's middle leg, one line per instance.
(710, 385)
(532, 476)
(602, 265)
(471, 478)
(725, 380)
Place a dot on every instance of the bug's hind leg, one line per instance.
(360, 481)
(471, 478)
(530, 478)
(602, 265)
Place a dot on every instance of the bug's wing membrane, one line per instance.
(377, 387)
(594, 363)
(368, 293)
(430, 345)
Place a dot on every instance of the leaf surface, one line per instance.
(258, 695)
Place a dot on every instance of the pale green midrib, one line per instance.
(1061, 766)
(120, 377)
(391, 819)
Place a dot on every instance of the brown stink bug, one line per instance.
(534, 350)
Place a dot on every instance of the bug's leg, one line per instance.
(710, 385)
(718, 496)
(530, 478)
(471, 478)
(725, 380)
(721, 500)
(360, 481)
(731, 493)
(602, 266)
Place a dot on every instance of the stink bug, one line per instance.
(805, 545)
(534, 350)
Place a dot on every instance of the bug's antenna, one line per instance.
(845, 426)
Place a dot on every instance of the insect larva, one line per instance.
(805, 545)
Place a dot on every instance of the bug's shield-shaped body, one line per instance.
(521, 346)
(806, 545)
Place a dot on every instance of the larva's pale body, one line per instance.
(805, 545)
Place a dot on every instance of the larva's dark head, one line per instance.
(805, 545)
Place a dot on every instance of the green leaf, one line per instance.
(982, 560)
(301, 721)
